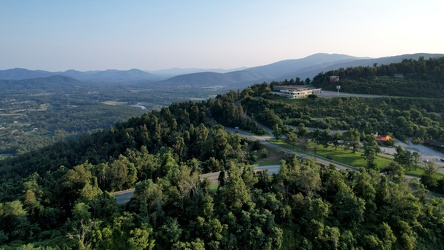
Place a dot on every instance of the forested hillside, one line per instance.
(419, 118)
(415, 78)
(359, 119)
(59, 196)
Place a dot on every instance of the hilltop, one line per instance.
(416, 78)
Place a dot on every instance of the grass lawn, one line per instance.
(196, 99)
(274, 157)
(114, 103)
(345, 156)
(214, 186)
(417, 172)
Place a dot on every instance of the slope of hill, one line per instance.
(168, 73)
(243, 78)
(114, 75)
(292, 67)
(385, 60)
(310, 72)
(236, 79)
(304, 68)
(416, 78)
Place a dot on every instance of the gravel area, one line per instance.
(427, 154)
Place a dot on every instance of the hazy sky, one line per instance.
(149, 35)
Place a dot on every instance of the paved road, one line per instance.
(126, 195)
(263, 140)
(333, 94)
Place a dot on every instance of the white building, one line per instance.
(295, 91)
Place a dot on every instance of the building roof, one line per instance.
(383, 138)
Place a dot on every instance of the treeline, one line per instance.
(304, 206)
(416, 78)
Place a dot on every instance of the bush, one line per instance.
(264, 153)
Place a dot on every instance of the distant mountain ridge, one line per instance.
(209, 79)
(41, 84)
(286, 67)
(303, 68)
(109, 75)
(184, 71)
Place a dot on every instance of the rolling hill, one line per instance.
(306, 67)
(40, 84)
(292, 67)
(313, 70)
(236, 80)
(303, 68)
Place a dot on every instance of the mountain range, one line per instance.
(303, 68)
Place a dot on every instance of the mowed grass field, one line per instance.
(346, 156)
(114, 103)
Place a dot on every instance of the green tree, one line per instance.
(352, 139)
(428, 178)
(292, 138)
(404, 158)
(395, 171)
(371, 149)
(277, 131)
(234, 193)
(141, 238)
(14, 223)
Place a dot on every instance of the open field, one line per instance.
(114, 103)
(197, 99)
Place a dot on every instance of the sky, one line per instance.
(86, 35)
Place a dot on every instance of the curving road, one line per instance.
(263, 140)
(126, 195)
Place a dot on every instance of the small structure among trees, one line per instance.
(334, 79)
(381, 138)
(385, 140)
